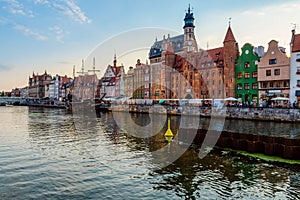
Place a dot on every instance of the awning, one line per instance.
(161, 101)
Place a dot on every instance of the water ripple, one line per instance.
(43, 155)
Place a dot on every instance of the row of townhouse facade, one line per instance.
(262, 76)
(46, 86)
(178, 69)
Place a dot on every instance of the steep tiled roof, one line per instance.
(296, 43)
(216, 54)
(177, 44)
(229, 36)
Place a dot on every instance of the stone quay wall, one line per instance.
(263, 114)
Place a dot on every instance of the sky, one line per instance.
(55, 35)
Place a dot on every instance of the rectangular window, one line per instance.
(271, 84)
(254, 86)
(254, 74)
(298, 83)
(286, 84)
(273, 61)
(276, 72)
(268, 72)
(247, 64)
(240, 75)
(246, 86)
(264, 85)
(298, 57)
(278, 83)
(239, 86)
(247, 74)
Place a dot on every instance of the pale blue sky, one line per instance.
(56, 34)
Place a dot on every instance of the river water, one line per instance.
(49, 154)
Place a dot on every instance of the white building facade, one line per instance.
(295, 69)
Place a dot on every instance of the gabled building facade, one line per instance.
(37, 85)
(274, 73)
(246, 76)
(141, 84)
(112, 83)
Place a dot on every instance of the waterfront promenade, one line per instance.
(264, 114)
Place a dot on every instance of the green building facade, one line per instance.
(246, 88)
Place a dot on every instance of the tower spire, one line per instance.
(189, 9)
(229, 21)
(73, 71)
(115, 60)
(229, 35)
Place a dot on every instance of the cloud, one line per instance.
(17, 8)
(27, 31)
(77, 13)
(66, 7)
(59, 33)
(4, 67)
(3, 21)
(41, 1)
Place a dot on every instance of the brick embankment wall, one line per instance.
(268, 145)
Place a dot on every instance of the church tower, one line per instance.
(190, 44)
(230, 55)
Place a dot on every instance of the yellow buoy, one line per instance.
(169, 132)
